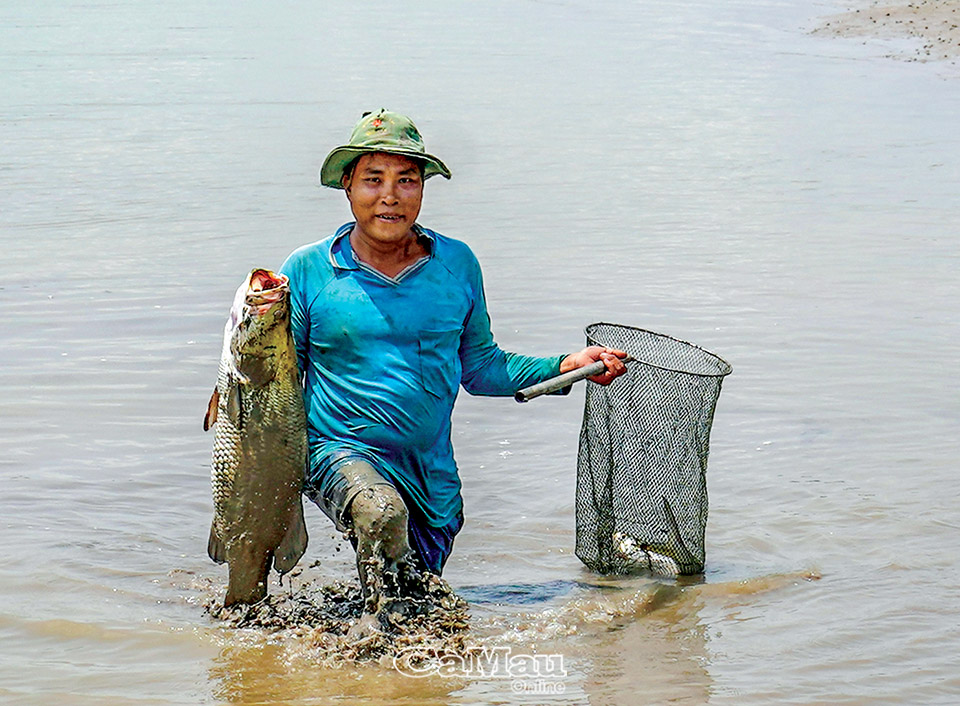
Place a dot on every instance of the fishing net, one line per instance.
(641, 475)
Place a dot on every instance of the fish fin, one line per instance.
(210, 418)
(294, 543)
(215, 548)
(235, 404)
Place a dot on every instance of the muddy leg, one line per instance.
(378, 518)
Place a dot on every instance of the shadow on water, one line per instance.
(506, 594)
(518, 593)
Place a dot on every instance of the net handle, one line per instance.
(565, 380)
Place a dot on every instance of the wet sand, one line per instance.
(933, 26)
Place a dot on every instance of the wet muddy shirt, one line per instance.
(383, 359)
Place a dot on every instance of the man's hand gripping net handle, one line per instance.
(561, 381)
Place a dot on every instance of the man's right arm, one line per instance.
(299, 317)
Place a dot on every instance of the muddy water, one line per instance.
(714, 171)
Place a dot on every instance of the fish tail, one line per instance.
(247, 582)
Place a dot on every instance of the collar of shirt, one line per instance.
(341, 254)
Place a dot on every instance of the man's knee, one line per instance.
(379, 512)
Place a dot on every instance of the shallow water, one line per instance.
(708, 170)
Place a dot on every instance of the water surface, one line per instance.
(707, 170)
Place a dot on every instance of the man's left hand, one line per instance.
(611, 357)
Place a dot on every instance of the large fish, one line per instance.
(260, 446)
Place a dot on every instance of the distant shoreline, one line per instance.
(934, 24)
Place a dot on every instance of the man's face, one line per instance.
(385, 192)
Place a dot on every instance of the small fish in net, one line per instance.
(641, 500)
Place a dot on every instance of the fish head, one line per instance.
(258, 328)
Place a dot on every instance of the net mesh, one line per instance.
(641, 475)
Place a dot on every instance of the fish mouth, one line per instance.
(265, 288)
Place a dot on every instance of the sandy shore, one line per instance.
(934, 26)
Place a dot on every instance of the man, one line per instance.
(389, 320)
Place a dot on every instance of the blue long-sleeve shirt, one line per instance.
(383, 359)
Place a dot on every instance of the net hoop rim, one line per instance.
(726, 367)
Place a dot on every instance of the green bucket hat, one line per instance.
(380, 132)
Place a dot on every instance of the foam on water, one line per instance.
(319, 620)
